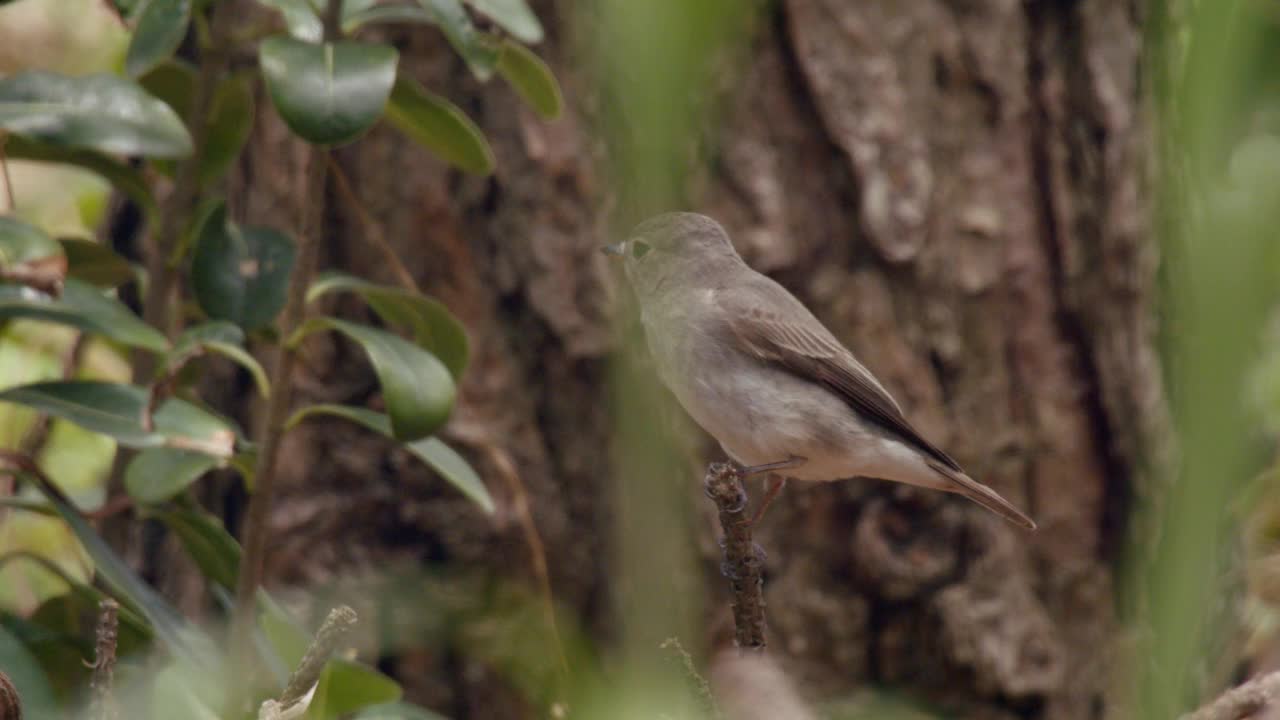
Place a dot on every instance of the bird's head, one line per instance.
(682, 245)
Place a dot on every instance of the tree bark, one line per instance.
(954, 186)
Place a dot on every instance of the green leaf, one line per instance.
(514, 16)
(429, 321)
(159, 32)
(207, 542)
(438, 456)
(27, 677)
(416, 386)
(479, 51)
(532, 79)
(173, 81)
(95, 264)
(116, 410)
(240, 274)
(85, 307)
(330, 93)
(219, 337)
(397, 711)
(439, 126)
(299, 17)
(168, 624)
(128, 180)
(97, 112)
(230, 124)
(30, 257)
(158, 474)
(347, 686)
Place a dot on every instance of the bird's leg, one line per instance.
(787, 464)
(776, 483)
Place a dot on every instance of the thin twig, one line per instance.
(4, 169)
(1241, 702)
(304, 678)
(743, 560)
(272, 429)
(371, 228)
(104, 661)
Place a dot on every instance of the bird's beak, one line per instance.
(619, 249)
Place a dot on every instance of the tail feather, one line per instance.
(962, 484)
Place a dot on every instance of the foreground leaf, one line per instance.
(331, 93)
(95, 264)
(347, 686)
(207, 542)
(30, 257)
(416, 386)
(126, 179)
(429, 321)
(116, 411)
(85, 307)
(97, 112)
(532, 79)
(160, 29)
(240, 274)
(158, 474)
(397, 711)
(222, 338)
(440, 126)
(514, 16)
(438, 456)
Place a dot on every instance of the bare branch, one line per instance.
(1241, 702)
(302, 683)
(743, 560)
(104, 661)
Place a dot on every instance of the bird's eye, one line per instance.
(639, 249)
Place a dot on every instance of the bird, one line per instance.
(762, 375)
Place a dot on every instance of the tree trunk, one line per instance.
(955, 187)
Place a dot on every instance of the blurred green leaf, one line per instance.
(173, 81)
(95, 112)
(220, 337)
(347, 686)
(207, 542)
(416, 386)
(397, 711)
(160, 29)
(230, 123)
(429, 321)
(514, 16)
(158, 474)
(240, 274)
(328, 93)
(116, 410)
(27, 677)
(85, 307)
(438, 456)
(440, 126)
(29, 256)
(532, 79)
(450, 16)
(168, 624)
(126, 179)
(95, 264)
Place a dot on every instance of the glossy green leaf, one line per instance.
(160, 29)
(214, 551)
(128, 180)
(220, 337)
(416, 387)
(85, 307)
(168, 624)
(437, 455)
(532, 79)
(240, 274)
(397, 711)
(514, 16)
(96, 112)
(117, 410)
(95, 264)
(30, 257)
(24, 671)
(479, 51)
(330, 93)
(440, 126)
(347, 686)
(158, 474)
(427, 320)
(230, 124)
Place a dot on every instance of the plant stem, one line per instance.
(104, 661)
(272, 430)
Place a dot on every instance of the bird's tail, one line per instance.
(962, 484)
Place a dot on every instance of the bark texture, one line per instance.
(954, 186)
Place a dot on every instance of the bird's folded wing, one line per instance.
(808, 350)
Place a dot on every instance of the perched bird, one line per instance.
(764, 377)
